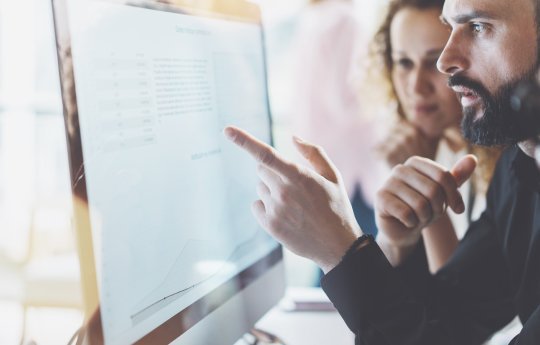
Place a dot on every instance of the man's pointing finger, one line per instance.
(260, 151)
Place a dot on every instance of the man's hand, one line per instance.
(415, 196)
(306, 210)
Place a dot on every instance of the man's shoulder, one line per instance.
(516, 177)
(515, 166)
(508, 157)
(503, 180)
(505, 164)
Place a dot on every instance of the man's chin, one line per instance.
(477, 129)
(476, 112)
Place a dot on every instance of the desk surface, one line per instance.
(305, 327)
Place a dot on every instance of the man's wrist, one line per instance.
(347, 247)
(358, 244)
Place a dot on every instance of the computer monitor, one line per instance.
(169, 249)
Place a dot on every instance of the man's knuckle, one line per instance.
(274, 224)
(381, 198)
(433, 192)
(437, 173)
(295, 173)
(399, 170)
(267, 157)
(302, 180)
(319, 150)
(412, 160)
(405, 213)
(440, 177)
(421, 204)
(283, 195)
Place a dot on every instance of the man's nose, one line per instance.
(452, 59)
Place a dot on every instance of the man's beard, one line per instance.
(500, 124)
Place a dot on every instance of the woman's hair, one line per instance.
(380, 70)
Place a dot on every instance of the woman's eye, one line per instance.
(405, 63)
(432, 64)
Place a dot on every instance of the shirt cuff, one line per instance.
(358, 283)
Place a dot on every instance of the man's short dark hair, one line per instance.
(537, 6)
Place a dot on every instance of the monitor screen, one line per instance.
(147, 90)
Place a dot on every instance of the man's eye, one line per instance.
(478, 28)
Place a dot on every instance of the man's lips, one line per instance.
(467, 96)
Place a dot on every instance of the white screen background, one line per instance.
(169, 197)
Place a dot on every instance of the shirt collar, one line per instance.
(525, 168)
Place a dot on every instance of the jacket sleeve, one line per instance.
(464, 303)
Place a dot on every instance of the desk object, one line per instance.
(306, 327)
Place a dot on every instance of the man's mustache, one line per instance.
(474, 86)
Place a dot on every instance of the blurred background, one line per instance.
(40, 298)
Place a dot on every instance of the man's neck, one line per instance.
(528, 147)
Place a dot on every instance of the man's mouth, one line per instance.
(467, 96)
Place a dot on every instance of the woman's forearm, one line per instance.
(440, 241)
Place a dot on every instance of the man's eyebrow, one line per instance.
(443, 20)
(465, 18)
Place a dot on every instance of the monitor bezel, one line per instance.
(187, 318)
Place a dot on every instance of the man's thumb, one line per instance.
(464, 168)
(317, 158)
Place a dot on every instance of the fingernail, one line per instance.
(298, 139)
(229, 133)
(461, 207)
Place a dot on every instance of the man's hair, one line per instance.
(537, 16)
(537, 19)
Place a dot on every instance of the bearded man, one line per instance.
(383, 289)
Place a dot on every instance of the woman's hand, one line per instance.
(405, 141)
